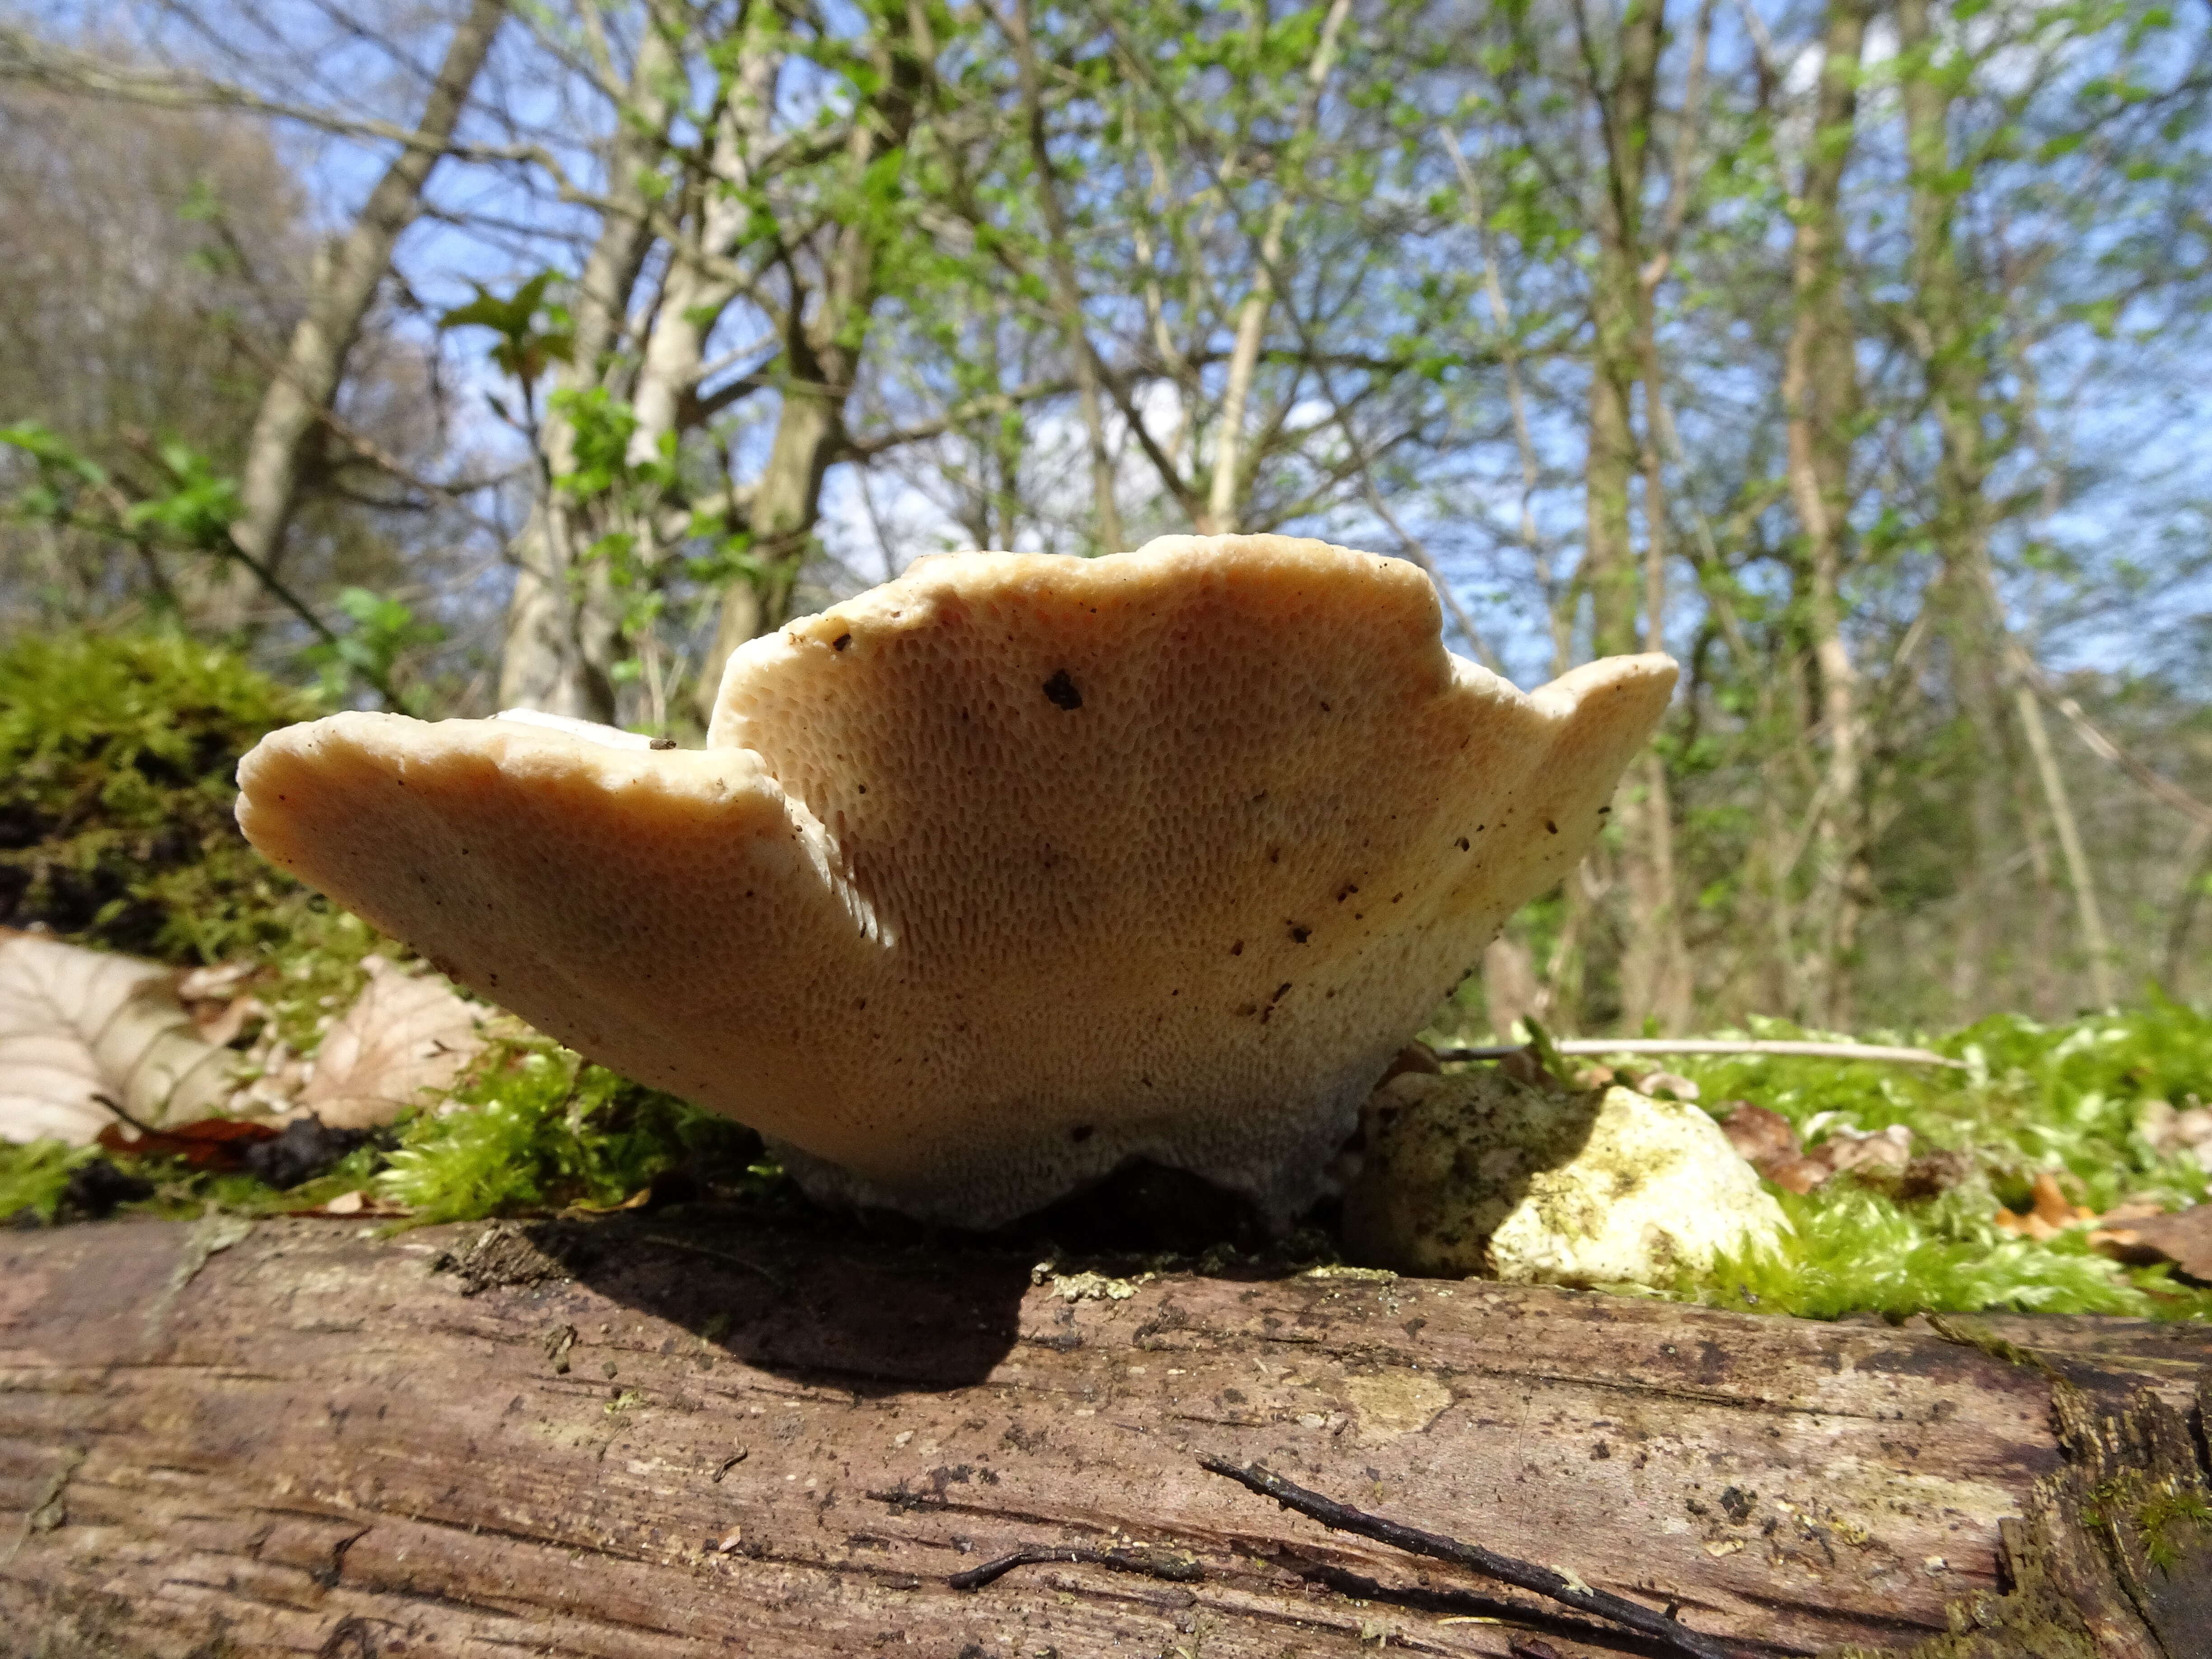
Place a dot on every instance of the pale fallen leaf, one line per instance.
(404, 1034)
(218, 1001)
(1886, 1150)
(2187, 1131)
(76, 1024)
(359, 1205)
(219, 983)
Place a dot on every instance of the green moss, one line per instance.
(545, 1128)
(2154, 1511)
(118, 761)
(2031, 1096)
(32, 1176)
(1855, 1250)
(2065, 1098)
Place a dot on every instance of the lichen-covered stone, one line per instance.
(1477, 1174)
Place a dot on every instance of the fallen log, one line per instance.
(644, 1438)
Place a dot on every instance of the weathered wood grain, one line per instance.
(308, 1442)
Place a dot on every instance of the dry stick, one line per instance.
(1149, 1559)
(1717, 1046)
(1523, 1574)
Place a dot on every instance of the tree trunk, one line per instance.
(556, 654)
(1955, 369)
(787, 502)
(693, 297)
(1225, 492)
(1820, 392)
(287, 425)
(1652, 957)
(654, 1437)
(2194, 870)
(822, 354)
(1067, 292)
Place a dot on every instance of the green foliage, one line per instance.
(543, 1127)
(189, 504)
(33, 1175)
(62, 473)
(196, 506)
(2031, 1096)
(369, 653)
(117, 765)
(532, 332)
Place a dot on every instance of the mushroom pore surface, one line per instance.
(1005, 873)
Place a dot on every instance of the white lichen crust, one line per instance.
(1477, 1174)
(1003, 873)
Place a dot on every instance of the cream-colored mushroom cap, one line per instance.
(1005, 872)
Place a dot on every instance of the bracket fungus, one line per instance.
(1002, 874)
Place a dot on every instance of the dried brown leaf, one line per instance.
(2053, 1213)
(2184, 1239)
(1796, 1174)
(210, 1142)
(1759, 1135)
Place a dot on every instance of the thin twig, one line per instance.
(708, 1251)
(1150, 1559)
(2111, 752)
(1542, 1581)
(1893, 1056)
(116, 1106)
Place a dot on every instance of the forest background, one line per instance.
(456, 356)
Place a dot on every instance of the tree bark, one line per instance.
(655, 1437)
(348, 272)
(1820, 394)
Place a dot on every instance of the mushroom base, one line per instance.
(1283, 1163)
